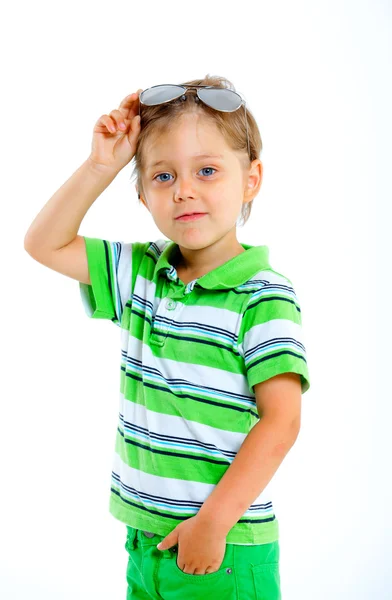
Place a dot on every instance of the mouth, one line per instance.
(190, 217)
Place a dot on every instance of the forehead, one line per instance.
(191, 138)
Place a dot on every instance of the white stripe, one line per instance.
(208, 315)
(174, 490)
(124, 272)
(264, 333)
(171, 425)
(225, 386)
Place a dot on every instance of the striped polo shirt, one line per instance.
(190, 356)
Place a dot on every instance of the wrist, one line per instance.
(102, 169)
(212, 522)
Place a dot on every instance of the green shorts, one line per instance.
(246, 573)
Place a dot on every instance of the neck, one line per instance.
(206, 259)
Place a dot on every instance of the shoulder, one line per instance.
(269, 284)
(271, 299)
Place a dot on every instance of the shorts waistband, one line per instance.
(146, 538)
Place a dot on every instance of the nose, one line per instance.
(185, 188)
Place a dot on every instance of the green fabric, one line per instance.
(190, 357)
(96, 293)
(248, 572)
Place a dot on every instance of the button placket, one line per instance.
(166, 304)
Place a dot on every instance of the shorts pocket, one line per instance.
(266, 579)
(211, 586)
(228, 571)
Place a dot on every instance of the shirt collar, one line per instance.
(231, 274)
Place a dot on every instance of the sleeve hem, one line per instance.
(97, 303)
(259, 375)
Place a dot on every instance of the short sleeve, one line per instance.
(110, 269)
(271, 335)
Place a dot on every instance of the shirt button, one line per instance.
(171, 304)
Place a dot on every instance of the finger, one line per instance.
(109, 123)
(119, 119)
(133, 129)
(130, 105)
(131, 98)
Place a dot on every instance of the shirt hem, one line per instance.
(238, 534)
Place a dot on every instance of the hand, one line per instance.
(112, 146)
(201, 548)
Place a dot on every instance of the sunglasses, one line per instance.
(218, 98)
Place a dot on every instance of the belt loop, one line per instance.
(132, 536)
(134, 541)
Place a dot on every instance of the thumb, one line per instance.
(169, 541)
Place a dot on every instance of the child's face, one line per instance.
(185, 183)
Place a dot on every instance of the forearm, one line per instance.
(57, 224)
(259, 457)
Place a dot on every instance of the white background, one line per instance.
(317, 77)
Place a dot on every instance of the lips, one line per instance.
(190, 216)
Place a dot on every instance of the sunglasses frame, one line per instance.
(182, 95)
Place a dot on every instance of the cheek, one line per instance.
(224, 200)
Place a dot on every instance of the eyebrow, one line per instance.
(159, 162)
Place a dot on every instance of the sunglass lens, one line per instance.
(160, 93)
(220, 99)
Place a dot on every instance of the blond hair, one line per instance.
(158, 119)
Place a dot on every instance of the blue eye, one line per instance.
(163, 181)
(206, 168)
(160, 175)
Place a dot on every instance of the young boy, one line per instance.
(212, 359)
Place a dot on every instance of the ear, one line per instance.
(142, 199)
(254, 179)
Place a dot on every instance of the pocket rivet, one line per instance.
(228, 570)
